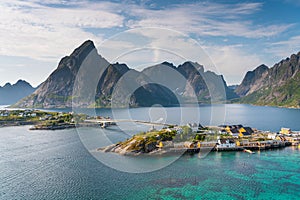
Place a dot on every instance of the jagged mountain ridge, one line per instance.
(276, 86)
(10, 94)
(146, 88)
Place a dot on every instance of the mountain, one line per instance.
(276, 86)
(253, 81)
(191, 82)
(10, 94)
(85, 79)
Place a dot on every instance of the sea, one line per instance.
(65, 164)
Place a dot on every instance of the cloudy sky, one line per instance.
(237, 36)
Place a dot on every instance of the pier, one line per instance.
(104, 123)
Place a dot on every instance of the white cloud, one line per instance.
(161, 44)
(41, 32)
(283, 49)
(206, 19)
(233, 61)
(38, 30)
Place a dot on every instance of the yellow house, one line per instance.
(227, 129)
(198, 145)
(237, 143)
(160, 145)
(242, 130)
(285, 131)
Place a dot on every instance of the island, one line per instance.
(46, 120)
(195, 138)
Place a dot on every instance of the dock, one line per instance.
(104, 123)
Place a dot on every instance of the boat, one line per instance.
(248, 151)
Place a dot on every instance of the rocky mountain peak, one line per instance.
(22, 83)
(168, 64)
(10, 94)
(85, 47)
(278, 85)
(261, 68)
(76, 58)
(250, 80)
(192, 66)
(7, 85)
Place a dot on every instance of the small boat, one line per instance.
(248, 151)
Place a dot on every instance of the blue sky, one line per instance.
(236, 35)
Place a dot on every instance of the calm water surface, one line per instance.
(56, 165)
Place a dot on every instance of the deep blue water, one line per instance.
(261, 117)
(56, 164)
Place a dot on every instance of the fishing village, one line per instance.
(195, 138)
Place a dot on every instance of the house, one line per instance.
(286, 131)
(226, 143)
(211, 144)
(228, 129)
(222, 132)
(231, 129)
(165, 144)
(245, 131)
(272, 136)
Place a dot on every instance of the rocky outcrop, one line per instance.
(277, 86)
(10, 94)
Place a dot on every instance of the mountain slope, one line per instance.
(10, 94)
(190, 82)
(56, 90)
(86, 79)
(277, 86)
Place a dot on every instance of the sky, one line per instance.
(235, 36)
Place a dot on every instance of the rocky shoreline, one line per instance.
(180, 140)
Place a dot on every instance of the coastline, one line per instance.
(194, 138)
(187, 104)
(173, 151)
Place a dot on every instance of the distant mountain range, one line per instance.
(276, 86)
(10, 94)
(163, 84)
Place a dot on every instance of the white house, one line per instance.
(222, 143)
(272, 136)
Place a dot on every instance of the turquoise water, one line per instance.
(56, 165)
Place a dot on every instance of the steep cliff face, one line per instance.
(10, 94)
(57, 89)
(86, 79)
(277, 86)
(253, 81)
